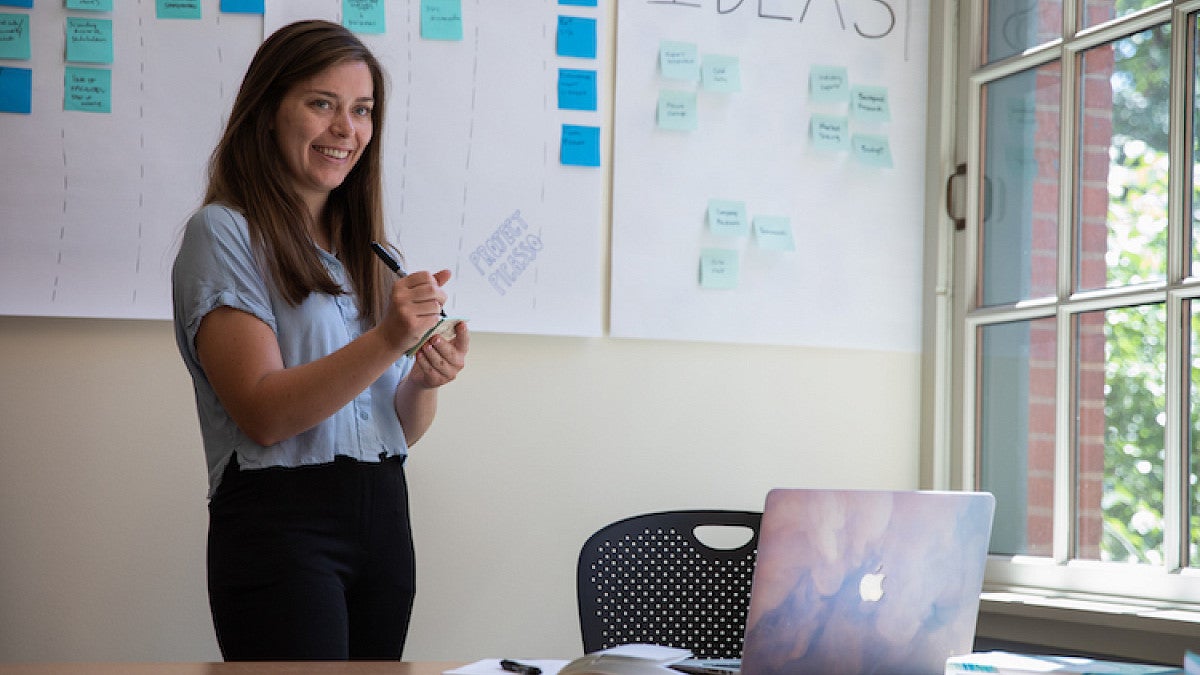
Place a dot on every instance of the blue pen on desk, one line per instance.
(521, 668)
(394, 267)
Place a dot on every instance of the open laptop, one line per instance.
(859, 581)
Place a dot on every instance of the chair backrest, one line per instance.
(649, 579)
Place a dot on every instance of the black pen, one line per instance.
(516, 667)
(395, 267)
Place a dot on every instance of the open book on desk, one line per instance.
(1007, 663)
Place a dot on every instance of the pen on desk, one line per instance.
(517, 667)
(394, 266)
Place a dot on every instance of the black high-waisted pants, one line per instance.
(312, 563)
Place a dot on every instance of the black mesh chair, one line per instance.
(648, 579)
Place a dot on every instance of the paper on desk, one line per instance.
(492, 667)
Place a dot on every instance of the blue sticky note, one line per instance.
(721, 74)
(441, 20)
(829, 132)
(14, 36)
(576, 37)
(364, 16)
(677, 110)
(870, 104)
(243, 6)
(679, 61)
(578, 3)
(16, 90)
(719, 268)
(727, 218)
(774, 232)
(17, 3)
(872, 150)
(580, 145)
(828, 84)
(177, 9)
(576, 89)
(87, 90)
(90, 5)
(89, 40)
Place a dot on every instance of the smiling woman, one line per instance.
(300, 344)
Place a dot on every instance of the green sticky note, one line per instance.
(679, 61)
(576, 37)
(721, 74)
(364, 16)
(87, 89)
(177, 9)
(441, 20)
(828, 84)
(90, 5)
(14, 36)
(580, 145)
(727, 218)
(829, 132)
(872, 150)
(870, 104)
(89, 40)
(774, 232)
(677, 110)
(718, 268)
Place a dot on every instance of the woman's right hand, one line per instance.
(414, 306)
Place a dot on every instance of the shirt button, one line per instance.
(364, 416)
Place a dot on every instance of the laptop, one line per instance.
(860, 581)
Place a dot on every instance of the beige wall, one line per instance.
(540, 442)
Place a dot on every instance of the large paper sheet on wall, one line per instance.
(768, 172)
(93, 203)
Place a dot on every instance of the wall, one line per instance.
(540, 442)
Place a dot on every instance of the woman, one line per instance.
(295, 335)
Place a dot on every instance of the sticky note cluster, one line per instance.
(851, 118)
(688, 72)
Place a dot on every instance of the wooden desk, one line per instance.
(273, 668)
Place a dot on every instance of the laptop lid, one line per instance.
(857, 581)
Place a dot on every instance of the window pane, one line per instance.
(1196, 152)
(1122, 190)
(1012, 26)
(1194, 436)
(1098, 11)
(1120, 414)
(1019, 223)
(1016, 428)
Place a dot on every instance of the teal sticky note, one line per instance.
(870, 104)
(576, 89)
(243, 6)
(872, 150)
(363, 16)
(177, 9)
(441, 20)
(89, 40)
(578, 3)
(829, 132)
(87, 89)
(27, 4)
(721, 74)
(727, 218)
(679, 61)
(774, 232)
(580, 145)
(90, 5)
(16, 90)
(828, 84)
(14, 36)
(719, 268)
(677, 110)
(576, 37)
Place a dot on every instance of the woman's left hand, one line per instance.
(439, 361)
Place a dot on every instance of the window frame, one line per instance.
(954, 344)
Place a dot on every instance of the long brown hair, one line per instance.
(247, 172)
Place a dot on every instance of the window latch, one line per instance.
(960, 222)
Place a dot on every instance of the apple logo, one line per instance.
(870, 588)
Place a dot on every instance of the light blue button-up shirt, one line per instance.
(216, 267)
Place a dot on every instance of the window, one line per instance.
(1078, 324)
